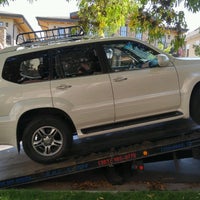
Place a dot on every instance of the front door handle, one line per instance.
(63, 87)
(119, 79)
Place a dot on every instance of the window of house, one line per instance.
(123, 31)
(61, 32)
(8, 39)
(138, 34)
(1, 24)
(75, 61)
(163, 40)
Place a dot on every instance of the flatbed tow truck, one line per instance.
(180, 138)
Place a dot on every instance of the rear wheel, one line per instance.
(195, 105)
(46, 139)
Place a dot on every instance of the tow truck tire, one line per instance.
(195, 105)
(46, 139)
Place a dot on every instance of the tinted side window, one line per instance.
(27, 68)
(128, 55)
(75, 61)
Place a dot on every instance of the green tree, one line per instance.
(191, 5)
(6, 2)
(152, 16)
(196, 50)
(103, 15)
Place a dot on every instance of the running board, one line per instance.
(130, 122)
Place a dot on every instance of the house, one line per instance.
(55, 22)
(166, 40)
(192, 38)
(11, 25)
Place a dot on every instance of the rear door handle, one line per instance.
(63, 87)
(119, 79)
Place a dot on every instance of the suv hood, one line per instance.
(186, 61)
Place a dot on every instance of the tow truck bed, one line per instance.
(178, 136)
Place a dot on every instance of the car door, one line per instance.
(140, 87)
(80, 88)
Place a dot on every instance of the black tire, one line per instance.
(195, 106)
(46, 139)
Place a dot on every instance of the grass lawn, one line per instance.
(75, 195)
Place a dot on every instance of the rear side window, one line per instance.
(27, 68)
(75, 61)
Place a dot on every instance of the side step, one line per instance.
(131, 122)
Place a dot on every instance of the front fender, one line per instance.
(186, 91)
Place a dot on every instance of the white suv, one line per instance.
(51, 90)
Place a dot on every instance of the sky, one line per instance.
(61, 8)
(40, 8)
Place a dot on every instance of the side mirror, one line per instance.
(163, 60)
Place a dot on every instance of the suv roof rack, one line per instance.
(49, 35)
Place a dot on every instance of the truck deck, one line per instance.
(147, 143)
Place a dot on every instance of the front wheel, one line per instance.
(46, 139)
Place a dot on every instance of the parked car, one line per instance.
(52, 89)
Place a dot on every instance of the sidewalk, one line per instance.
(4, 147)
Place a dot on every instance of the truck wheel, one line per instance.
(195, 106)
(46, 139)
